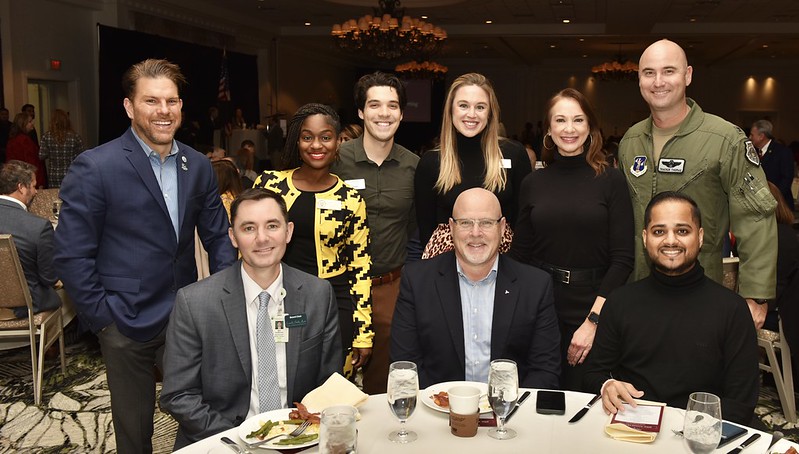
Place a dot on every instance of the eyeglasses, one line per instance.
(483, 224)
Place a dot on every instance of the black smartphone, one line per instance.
(730, 432)
(550, 402)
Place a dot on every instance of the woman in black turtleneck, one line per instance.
(471, 155)
(576, 222)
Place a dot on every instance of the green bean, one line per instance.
(263, 430)
(298, 440)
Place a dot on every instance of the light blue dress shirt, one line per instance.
(477, 306)
(166, 173)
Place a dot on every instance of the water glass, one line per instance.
(403, 390)
(702, 428)
(337, 431)
(503, 391)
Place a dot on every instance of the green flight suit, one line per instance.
(707, 160)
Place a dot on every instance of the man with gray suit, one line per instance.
(223, 361)
(33, 236)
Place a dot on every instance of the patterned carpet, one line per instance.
(75, 415)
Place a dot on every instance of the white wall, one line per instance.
(33, 32)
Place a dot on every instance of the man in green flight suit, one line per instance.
(681, 148)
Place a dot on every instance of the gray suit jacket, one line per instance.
(33, 238)
(207, 365)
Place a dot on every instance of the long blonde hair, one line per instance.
(449, 173)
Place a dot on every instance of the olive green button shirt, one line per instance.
(388, 192)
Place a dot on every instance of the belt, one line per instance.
(572, 276)
(387, 277)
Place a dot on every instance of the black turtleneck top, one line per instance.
(670, 336)
(433, 208)
(571, 218)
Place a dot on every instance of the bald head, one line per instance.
(666, 48)
(663, 76)
(477, 199)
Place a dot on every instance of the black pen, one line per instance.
(519, 403)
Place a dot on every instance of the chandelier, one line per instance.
(617, 69)
(423, 70)
(389, 34)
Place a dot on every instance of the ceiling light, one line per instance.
(566, 21)
(389, 34)
(423, 70)
(617, 69)
(489, 22)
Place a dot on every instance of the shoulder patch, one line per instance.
(751, 153)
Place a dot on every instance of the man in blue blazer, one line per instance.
(213, 361)
(32, 235)
(125, 240)
(775, 158)
(460, 310)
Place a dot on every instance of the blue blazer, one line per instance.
(777, 163)
(116, 250)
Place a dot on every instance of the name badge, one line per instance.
(670, 165)
(296, 320)
(506, 163)
(327, 204)
(358, 183)
(279, 329)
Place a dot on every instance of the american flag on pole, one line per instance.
(224, 88)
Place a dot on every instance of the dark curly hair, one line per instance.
(291, 150)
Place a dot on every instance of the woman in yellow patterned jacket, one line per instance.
(331, 236)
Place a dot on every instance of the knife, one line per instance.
(746, 443)
(585, 409)
(519, 403)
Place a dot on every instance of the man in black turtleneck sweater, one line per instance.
(676, 331)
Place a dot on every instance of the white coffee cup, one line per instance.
(464, 399)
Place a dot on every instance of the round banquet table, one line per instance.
(536, 433)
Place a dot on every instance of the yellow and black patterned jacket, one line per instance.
(342, 239)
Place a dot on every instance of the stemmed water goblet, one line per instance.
(503, 391)
(702, 428)
(403, 389)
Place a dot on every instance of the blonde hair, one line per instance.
(449, 173)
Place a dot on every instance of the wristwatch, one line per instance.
(593, 317)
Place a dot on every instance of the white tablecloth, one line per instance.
(536, 433)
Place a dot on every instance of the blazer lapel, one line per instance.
(294, 303)
(184, 176)
(234, 306)
(142, 165)
(506, 297)
(449, 297)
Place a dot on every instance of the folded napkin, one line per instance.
(336, 390)
(638, 425)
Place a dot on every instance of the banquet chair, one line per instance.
(782, 372)
(45, 326)
(42, 204)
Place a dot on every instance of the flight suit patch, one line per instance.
(751, 153)
(639, 166)
(670, 165)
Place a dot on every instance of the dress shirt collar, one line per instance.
(765, 148)
(252, 289)
(492, 274)
(360, 151)
(149, 151)
(18, 202)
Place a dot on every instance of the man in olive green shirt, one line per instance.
(681, 148)
(383, 173)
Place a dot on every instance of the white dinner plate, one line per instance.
(427, 394)
(282, 414)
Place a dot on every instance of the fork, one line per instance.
(298, 431)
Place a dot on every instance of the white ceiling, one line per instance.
(530, 32)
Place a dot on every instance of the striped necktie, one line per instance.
(268, 387)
